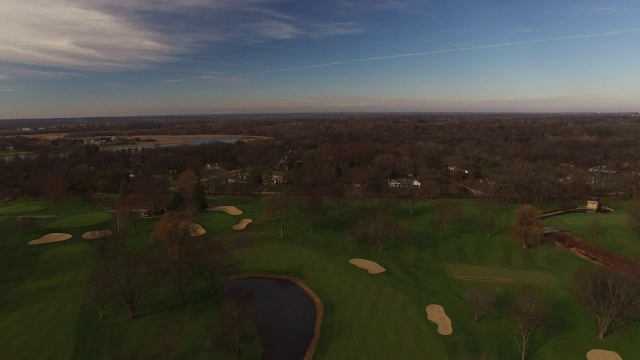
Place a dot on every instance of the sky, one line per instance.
(82, 58)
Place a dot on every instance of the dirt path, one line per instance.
(616, 262)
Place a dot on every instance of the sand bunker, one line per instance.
(436, 314)
(49, 238)
(231, 210)
(195, 229)
(96, 234)
(603, 355)
(242, 224)
(370, 266)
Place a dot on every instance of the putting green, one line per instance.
(80, 220)
(499, 274)
(20, 209)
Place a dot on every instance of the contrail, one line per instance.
(489, 46)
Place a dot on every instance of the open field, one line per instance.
(615, 235)
(375, 317)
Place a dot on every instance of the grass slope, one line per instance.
(366, 316)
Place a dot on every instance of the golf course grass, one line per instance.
(44, 316)
(615, 233)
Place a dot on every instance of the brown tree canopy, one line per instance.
(527, 226)
(173, 232)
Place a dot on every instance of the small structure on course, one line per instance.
(372, 267)
(49, 238)
(436, 314)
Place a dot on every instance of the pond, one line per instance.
(283, 313)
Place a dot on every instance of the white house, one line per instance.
(404, 183)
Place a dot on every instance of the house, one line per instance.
(238, 177)
(403, 183)
(457, 169)
(275, 177)
(603, 170)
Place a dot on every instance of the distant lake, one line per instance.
(283, 313)
(176, 141)
(204, 140)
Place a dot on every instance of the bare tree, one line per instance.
(315, 209)
(123, 216)
(99, 291)
(102, 247)
(355, 202)
(481, 301)
(351, 241)
(55, 188)
(489, 215)
(446, 214)
(180, 271)
(187, 181)
(128, 277)
(411, 195)
(236, 327)
(156, 270)
(212, 267)
(167, 340)
(609, 296)
(527, 226)
(279, 207)
(529, 313)
(384, 228)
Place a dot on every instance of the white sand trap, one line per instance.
(231, 210)
(603, 355)
(436, 314)
(370, 266)
(96, 234)
(49, 238)
(242, 224)
(195, 229)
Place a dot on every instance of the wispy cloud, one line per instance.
(65, 34)
(524, 29)
(125, 34)
(459, 49)
(211, 77)
(10, 73)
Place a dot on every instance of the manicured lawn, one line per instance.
(615, 235)
(21, 209)
(80, 220)
(366, 316)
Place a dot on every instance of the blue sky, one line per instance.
(68, 58)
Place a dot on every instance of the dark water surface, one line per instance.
(283, 313)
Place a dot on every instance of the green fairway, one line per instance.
(615, 234)
(21, 209)
(80, 220)
(498, 274)
(42, 288)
